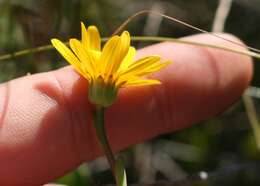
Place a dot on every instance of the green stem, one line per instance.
(99, 124)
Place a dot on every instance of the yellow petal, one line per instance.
(114, 52)
(128, 59)
(69, 56)
(84, 56)
(153, 68)
(90, 37)
(108, 52)
(140, 65)
(141, 82)
(83, 34)
(95, 55)
(129, 77)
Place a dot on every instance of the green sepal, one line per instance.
(102, 93)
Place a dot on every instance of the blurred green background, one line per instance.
(219, 151)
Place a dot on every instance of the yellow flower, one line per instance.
(108, 69)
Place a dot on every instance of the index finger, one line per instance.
(45, 118)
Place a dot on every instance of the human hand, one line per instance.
(45, 119)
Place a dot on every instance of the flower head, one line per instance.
(109, 68)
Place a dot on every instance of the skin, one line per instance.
(45, 119)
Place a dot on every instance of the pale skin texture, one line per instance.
(45, 119)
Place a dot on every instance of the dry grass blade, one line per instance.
(144, 12)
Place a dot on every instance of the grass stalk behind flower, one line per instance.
(135, 38)
(252, 116)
